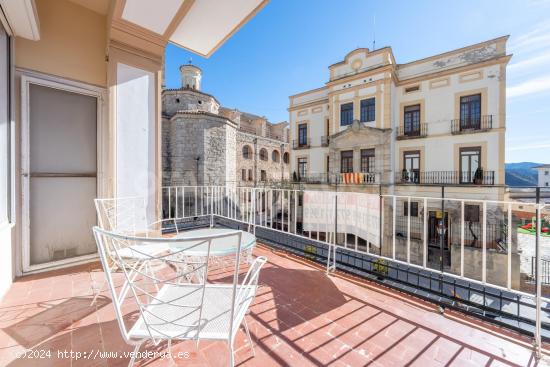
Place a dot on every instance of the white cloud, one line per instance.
(529, 63)
(535, 39)
(530, 86)
(529, 147)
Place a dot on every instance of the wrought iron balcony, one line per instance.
(312, 178)
(357, 178)
(445, 177)
(325, 140)
(472, 124)
(408, 133)
(301, 143)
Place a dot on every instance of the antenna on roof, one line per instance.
(374, 32)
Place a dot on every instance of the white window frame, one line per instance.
(36, 78)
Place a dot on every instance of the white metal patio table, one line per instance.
(222, 250)
(219, 247)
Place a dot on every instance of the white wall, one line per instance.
(136, 173)
(544, 177)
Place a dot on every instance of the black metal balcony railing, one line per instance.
(356, 178)
(301, 143)
(325, 140)
(408, 133)
(313, 178)
(446, 177)
(352, 178)
(472, 124)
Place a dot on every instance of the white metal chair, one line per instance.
(128, 215)
(170, 307)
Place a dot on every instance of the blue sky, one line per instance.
(288, 46)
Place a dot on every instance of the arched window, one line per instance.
(286, 158)
(263, 154)
(247, 152)
(275, 156)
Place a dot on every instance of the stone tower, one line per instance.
(190, 77)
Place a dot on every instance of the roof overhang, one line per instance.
(200, 26)
(20, 18)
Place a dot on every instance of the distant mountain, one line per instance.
(521, 174)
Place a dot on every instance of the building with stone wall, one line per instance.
(204, 143)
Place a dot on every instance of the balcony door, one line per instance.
(59, 172)
(470, 112)
(302, 135)
(411, 122)
(411, 166)
(469, 163)
(302, 168)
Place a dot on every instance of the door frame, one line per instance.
(35, 78)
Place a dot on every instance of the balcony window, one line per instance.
(263, 175)
(243, 175)
(367, 160)
(250, 176)
(286, 158)
(346, 114)
(470, 112)
(368, 110)
(411, 166)
(302, 167)
(302, 135)
(411, 120)
(346, 161)
(470, 159)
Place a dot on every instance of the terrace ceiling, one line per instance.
(200, 26)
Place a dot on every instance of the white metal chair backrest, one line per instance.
(247, 291)
(126, 214)
(145, 286)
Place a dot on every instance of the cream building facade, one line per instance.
(429, 128)
(409, 127)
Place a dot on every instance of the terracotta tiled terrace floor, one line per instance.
(300, 317)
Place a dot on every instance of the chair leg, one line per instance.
(172, 362)
(249, 338)
(134, 354)
(98, 290)
(231, 354)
